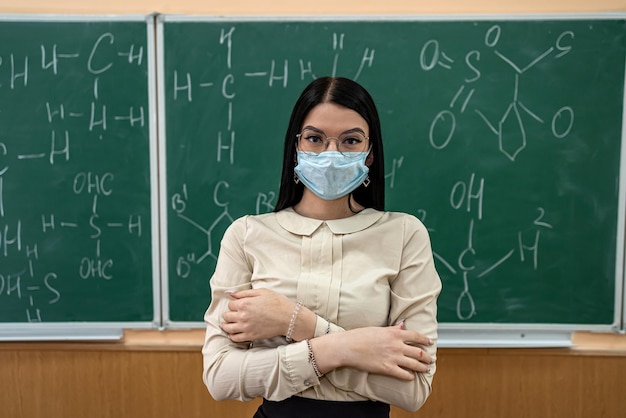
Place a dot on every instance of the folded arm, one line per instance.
(388, 364)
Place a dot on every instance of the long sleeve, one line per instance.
(414, 293)
(370, 269)
(231, 370)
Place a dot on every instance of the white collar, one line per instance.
(301, 225)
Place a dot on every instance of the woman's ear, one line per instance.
(370, 159)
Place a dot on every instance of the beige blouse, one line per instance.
(371, 269)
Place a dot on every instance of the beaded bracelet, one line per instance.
(312, 360)
(292, 323)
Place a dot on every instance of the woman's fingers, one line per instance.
(415, 338)
(257, 314)
(418, 354)
(235, 333)
(232, 326)
(229, 316)
(416, 360)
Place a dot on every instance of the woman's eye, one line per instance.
(314, 139)
(351, 141)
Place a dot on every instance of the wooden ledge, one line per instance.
(585, 343)
(182, 340)
(605, 343)
(133, 340)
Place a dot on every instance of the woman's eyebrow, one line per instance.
(313, 128)
(355, 129)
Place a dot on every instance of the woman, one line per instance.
(327, 306)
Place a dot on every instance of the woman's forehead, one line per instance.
(331, 116)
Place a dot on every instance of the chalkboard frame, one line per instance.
(452, 334)
(96, 330)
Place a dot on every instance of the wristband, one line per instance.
(292, 323)
(312, 360)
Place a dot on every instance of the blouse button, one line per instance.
(307, 382)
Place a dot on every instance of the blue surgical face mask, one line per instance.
(331, 174)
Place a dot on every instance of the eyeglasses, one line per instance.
(316, 141)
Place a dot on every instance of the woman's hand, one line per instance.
(262, 313)
(391, 351)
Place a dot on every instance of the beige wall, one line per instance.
(275, 7)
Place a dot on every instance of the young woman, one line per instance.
(327, 306)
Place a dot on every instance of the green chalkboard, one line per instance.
(75, 171)
(503, 135)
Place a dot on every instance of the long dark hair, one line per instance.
(349, 94)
